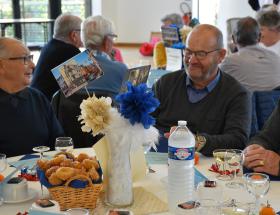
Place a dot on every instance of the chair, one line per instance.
(263, 103)
(67, 111)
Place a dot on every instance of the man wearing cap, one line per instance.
(64, 45)
(97, 35)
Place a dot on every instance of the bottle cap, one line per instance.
(182, 123)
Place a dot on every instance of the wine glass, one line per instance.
(235, 158)
(41, 150)
(221, 160)
(147, 147)
(3, 166)
(257, 184)
(64, 144)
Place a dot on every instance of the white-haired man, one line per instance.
(64, 45)
(98, 35)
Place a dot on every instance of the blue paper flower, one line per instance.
(137, 104)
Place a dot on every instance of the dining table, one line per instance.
(155, 182)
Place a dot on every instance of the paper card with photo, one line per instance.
(170, 35)
(136, 76)
(77, 72)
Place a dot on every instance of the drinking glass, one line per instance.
(208, 207)
(221, 160)
(3, 166)
(41, 150)
(235, 158)
(257, 184)
(64, 144)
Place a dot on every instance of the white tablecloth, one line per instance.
(154, 183)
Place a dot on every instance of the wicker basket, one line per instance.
(69, 197)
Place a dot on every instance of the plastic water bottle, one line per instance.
(181, 149)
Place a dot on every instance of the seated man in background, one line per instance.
(27, 119)
(256, 68)
(97, 35)
(263, 152)
(216, 107)
(270, 30)
(64, 45)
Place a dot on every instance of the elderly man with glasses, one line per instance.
(64, 45)
(27, 119)
(216, 107)
(98, 36)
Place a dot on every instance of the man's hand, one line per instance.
(261, 160)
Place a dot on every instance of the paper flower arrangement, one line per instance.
(132, 123)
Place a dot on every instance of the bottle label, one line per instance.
(181, 153)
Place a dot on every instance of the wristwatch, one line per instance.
(200, 142)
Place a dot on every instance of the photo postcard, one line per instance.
(136, 75)
(77, 72)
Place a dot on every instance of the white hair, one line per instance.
(94, 29)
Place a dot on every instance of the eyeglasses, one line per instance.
(112, 36)
(200, 55)
(26, 59)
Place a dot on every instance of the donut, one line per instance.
(54, 180)
(67, 154)
(82, 157)
(51, 171)
(65, 173)
(77, 165)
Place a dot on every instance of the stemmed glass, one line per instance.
(64, 144)
(257, 184)
(235, 158)
(41, 150)
(221, 160)
(3, 166)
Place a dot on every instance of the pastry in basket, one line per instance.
(67, 154)
(64, 173)
(82, 156)
(88, 164)
(51, 171)
(57, 160)
(43, 164)
(54, 180)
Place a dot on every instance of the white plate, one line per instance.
(31, 194)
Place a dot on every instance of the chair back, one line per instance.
(67, 111)
(263, 103)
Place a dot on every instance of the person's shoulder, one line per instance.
(36, 94)
(117, 65)
(231, 83)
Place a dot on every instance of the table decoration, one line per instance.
(126, 130)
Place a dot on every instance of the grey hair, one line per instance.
(247, 32)
(64, 24)
(94, 30)
(174, 18)
(4, 51)
(270, 19)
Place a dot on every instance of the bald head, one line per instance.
(5, 46)
(208, 33)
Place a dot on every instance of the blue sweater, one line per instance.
(111, 81)
(27, 120)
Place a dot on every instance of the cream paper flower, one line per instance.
(95, 114)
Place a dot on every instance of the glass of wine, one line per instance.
(257, 184)
(235, 158)
(221, 161)
(3, 166)
(64, 144)
(41, 150)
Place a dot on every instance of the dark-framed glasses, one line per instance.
(26, 59)
(200, 55)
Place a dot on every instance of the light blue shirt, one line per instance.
(195, 95)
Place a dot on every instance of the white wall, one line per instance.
(135, 19)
